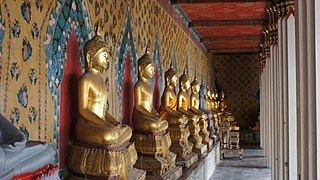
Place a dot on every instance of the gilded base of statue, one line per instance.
(137, 174)
(206, 140)
(199, 148)
(181, 146)
(99, 162)
(187, 161)
(154, 156)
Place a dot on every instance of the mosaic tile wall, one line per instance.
(34, 37)
(239, 77)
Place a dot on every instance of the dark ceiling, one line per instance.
(226, 26)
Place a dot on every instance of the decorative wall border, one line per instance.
(157, 62)
(5, 104)
(126, 43)
(2, 34)
(70, 15)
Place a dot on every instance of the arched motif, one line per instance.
(63, 18)
(126, 46)
(158, 64)
(158, 81)
(174, 63)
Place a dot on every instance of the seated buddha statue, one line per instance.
(194, 107)
(179, 131)
(151, 134)
(215, 106)
(100, 137)
(223, 103)
(20, 159)
(193, 119)
(203, 107)
(146, 120)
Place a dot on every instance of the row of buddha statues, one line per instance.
(159, 143)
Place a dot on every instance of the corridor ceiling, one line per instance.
(226, 26)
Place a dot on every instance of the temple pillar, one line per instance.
(317, 60)
(284, 96)
(292, 98)
(307, 91)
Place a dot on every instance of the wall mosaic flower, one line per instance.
(23, 96)
(15, 71)
(32, 114)
(15, 116)
(26, 11)
(16, 29)
(32, 76)
(39, 5)
(106, 16)
(35, 31)
(97, 8)
(26, 49)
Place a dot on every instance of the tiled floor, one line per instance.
(252, 167)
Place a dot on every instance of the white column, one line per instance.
(317, 59)
(262, 103)
(310, 9)
(266, 111)
(285, 141)
(280, 101)
(273, 112)
(292, 99)
(306, 64)
(302, 92)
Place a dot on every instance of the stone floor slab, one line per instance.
(252, 167)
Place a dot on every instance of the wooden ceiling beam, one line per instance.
(233, 50)
(231, 38)
(216, 1)
(258, 22)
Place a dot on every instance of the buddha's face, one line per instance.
(149, 71)
(100, 60)
(195, 88)
(209, 93)
(186, 85)
(173, 80)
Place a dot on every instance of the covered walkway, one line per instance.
(252, 167)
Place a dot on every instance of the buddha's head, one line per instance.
(208, 93)
(184, 81)
(171, 76)
(96, 53)
(215, 94)
(146, 66)
(222, 96)
(195, 86)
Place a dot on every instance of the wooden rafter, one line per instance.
(258, 22)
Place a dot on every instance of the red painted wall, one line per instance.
(69, 97)
(127, 93)
(156, 91)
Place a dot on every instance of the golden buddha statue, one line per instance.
(194, 107)
(209, 99)
(193, 119)
(179, 131)
(103, 148)
(150, 129)
(223, 103)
